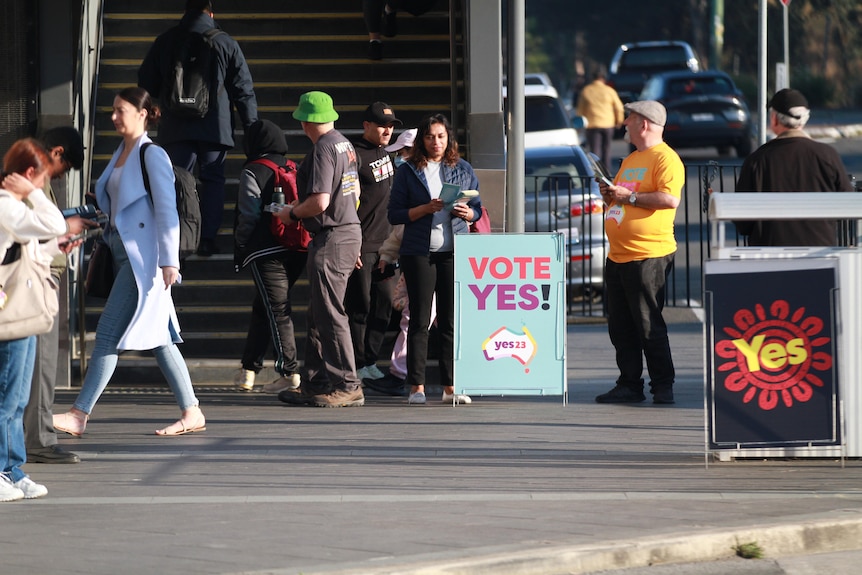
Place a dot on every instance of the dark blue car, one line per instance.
(704, 109)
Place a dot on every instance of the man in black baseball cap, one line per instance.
(64, 143)
(66, 149)
(791, 103)
(791, 162)
(369, 302)
(381, 114)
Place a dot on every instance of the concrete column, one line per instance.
(485, 133)
(57, 53)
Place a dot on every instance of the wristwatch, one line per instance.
(633, 198)
(293, 216)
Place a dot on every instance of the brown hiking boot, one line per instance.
(296, 396)
(341, 398)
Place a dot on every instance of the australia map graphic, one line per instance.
(507, 342)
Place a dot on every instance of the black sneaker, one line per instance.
(207, 248)
(621, 394)
(389, 385)
(663, 396)
(390, 24)
(51, 454)
(375, 50)
(297, 396)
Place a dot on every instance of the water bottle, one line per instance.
(277, 201)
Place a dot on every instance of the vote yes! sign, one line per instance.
(510, 325)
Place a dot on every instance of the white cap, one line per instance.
(405, 140)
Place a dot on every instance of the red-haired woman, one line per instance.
(26, 166)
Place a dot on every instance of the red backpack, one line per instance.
(292, 235)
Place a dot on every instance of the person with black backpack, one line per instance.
(274, 253)
(197, 72)
(143, 234)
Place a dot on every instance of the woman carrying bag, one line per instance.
(143, 236)
(27, 234)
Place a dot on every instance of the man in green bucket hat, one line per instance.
(328, 187)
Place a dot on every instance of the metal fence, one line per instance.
(692, 231)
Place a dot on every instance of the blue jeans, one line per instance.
(17, 357)
(118, 312)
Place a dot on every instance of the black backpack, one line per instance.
(187, 89)
(188, 205)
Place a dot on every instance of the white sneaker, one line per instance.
(30, 488)
(417, 398)
(9, 491)
(244, 380)
(284, 382)
(458, 398)
(373, 372)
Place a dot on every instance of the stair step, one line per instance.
(307, 46)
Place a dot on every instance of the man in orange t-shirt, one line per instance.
(639, 222)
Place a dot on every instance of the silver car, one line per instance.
(561, 194)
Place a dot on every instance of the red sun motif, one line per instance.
(773, 356)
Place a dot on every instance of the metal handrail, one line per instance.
(84, 112)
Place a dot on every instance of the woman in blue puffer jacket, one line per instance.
(427, 248)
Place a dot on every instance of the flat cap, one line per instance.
(649, 109)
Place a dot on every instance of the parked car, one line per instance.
(561, 194)
(634, 63)
(546, 122)
(703, 109)
(537, 79)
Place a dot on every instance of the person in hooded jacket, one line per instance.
(144, 238)
(203, 141)
(274, 268)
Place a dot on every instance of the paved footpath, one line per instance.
(504, 486)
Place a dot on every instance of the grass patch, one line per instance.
(749, 550)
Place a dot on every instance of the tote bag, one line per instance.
(29, 300)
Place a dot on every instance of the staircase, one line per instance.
(291, 47)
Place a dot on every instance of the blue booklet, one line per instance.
(452, 194)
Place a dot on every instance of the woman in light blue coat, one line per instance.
(143, 235)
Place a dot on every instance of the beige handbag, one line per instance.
(28, 295)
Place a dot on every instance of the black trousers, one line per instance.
(369, 307)
(636, 292)
(599, 142)
(271, 321)
(426, 276)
